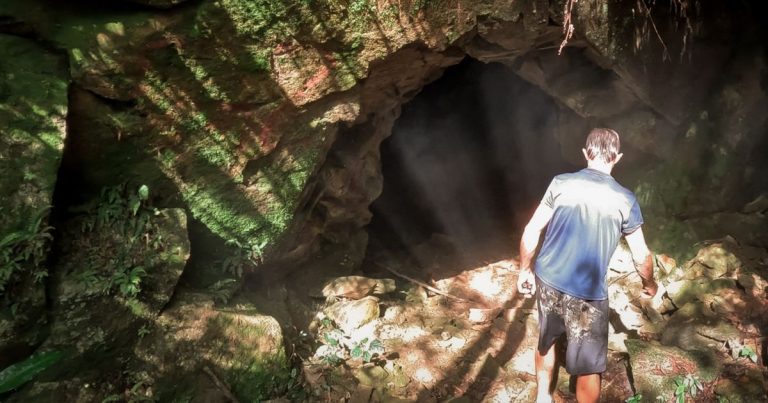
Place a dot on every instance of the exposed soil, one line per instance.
(460, 330)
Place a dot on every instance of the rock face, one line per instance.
(251, 132)
(33, 107)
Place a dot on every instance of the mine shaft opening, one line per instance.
(465, 166)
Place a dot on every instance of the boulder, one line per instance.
(758, 205)
(350, 315)
(240, 347)
(655, 367)
(750, 387)
(684, 291)
(113, 275)
(33, 110)
(696, 327)
(717, 260)
(356, 287)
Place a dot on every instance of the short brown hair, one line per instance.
(603, 143)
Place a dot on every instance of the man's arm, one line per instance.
(526, 283)
(642, 260)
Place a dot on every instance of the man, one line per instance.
(587, 212)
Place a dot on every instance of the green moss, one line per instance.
(251, 355)
(33, 107)
(223, 210)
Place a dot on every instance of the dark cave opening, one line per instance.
(467, 160)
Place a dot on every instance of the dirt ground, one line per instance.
(456, 330)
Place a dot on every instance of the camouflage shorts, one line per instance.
(584, 323)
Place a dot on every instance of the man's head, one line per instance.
(602, 147)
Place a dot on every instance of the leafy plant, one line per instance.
(634, 399)
(128, 282)
(337, 346)
(132, 395)
(689, 384)
(117, 207)
(143, 331)
(739, 350)
(747, 351)
(367, 350)
(222, 290)
(22, 372)
(88, 279)
(244, 257)
(27, 247)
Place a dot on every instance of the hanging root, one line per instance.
(681, 12)
(567, 24)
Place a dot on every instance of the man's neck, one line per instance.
(600, 166)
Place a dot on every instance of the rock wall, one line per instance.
(234, 105)
(33, 107)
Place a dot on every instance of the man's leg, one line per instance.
(587, 345)
(588, 388)
(551, 327)
(545, 369)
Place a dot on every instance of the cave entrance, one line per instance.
(466, 164)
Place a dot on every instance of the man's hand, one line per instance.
(649, 284)
(526, 283)
(643, 261)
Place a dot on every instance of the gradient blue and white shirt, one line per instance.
(591, 212)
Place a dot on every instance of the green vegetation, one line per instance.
(22, 372)
(223, 290)
(243, 257)
(128, 281)
(133, 395)
(638, 398)
(748, 352)
(739, 350)
(255, 371)
(119, 244)
(33, 107)
(27, 247)
(688, 385)
(337, 346)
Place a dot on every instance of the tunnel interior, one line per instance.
(467, 162)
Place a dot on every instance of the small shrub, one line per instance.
(244, 257)
(337, 346)
(688, 385)
(129, 282)
(27, 247)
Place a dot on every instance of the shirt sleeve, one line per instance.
(551, 194)
(633, 221)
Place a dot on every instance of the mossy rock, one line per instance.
(655, 367)
(684, 291)
(114, 275)
(33, 109)
(238, 345)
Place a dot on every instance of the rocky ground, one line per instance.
(446, 325)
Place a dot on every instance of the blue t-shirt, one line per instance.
(591, 212)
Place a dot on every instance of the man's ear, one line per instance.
(618, 157)
(584, 151)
